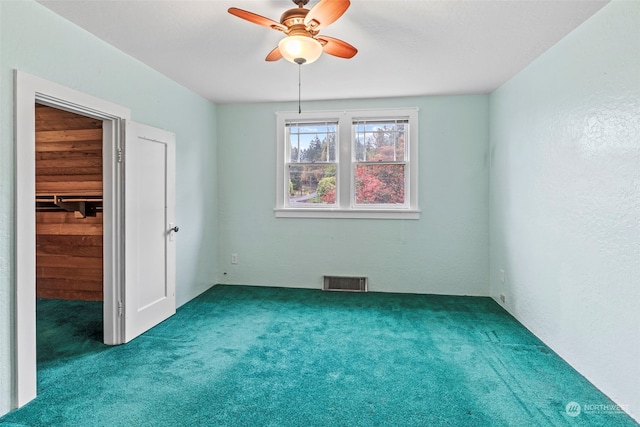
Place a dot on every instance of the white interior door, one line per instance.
(149, 244)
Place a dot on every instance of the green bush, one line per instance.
(326, 184)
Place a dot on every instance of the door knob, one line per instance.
(176, 228)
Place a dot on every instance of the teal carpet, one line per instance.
(250, 356)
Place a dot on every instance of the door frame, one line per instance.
(30, 90)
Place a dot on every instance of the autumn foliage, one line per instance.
(380, 184)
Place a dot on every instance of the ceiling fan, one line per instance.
(303, 44)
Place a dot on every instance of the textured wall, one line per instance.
(565, 199)
(445, 252)
(34, 40)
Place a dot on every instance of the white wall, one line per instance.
(445, 252)
(565, 199)
(35, 40)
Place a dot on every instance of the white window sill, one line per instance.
(350, 213)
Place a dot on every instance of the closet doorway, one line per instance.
(138, 221)
(69, 214)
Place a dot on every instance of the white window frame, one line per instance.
(336, 162)
(345, 206)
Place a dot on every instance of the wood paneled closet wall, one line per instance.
(68, 195)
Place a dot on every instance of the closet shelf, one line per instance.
(81, 205)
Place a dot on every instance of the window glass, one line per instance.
(380, 184)
(312, 157)
(379, 141)
(312, 184)
(312, 142)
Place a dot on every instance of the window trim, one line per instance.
(345, 206)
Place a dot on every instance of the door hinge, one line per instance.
(119, 155)
(120, 308)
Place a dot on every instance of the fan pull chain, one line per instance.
(299, 61)
(299, 88)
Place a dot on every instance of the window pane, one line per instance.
(380, 184)
(312, 142)
(312, 184)
(382, 141)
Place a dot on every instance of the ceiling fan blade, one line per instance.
(274, 55)
(325, 13)
(337, 47)
(257, 19)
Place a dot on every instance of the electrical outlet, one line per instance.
(234, 258)
(502, 276)
(503, 298)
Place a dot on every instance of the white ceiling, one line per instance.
(406, 47)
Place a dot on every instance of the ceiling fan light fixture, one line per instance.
(300, 49)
